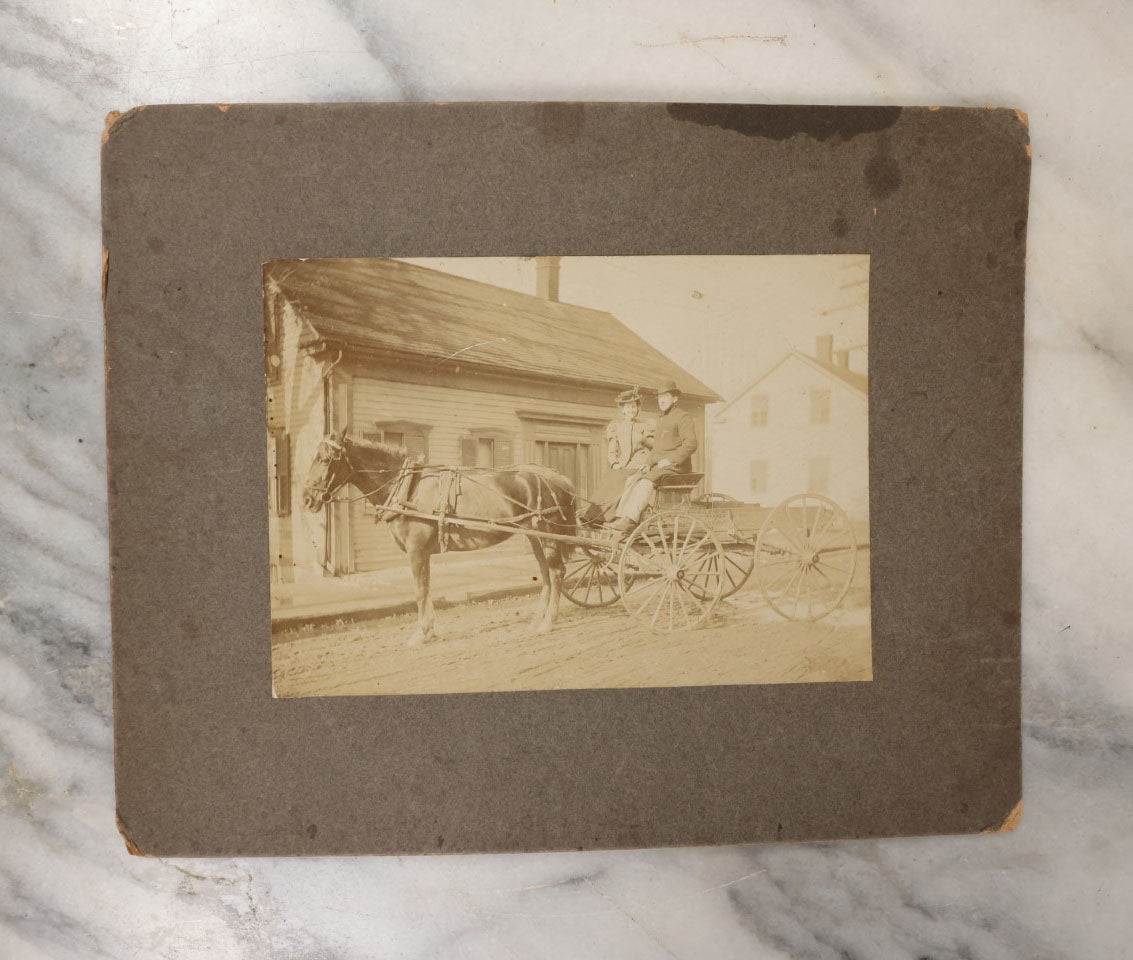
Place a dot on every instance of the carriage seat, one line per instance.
(675, 488)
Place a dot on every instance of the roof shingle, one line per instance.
(402, 307)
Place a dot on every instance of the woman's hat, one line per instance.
(629, 396)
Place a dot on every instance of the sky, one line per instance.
(724, 319)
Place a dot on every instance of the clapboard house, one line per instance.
(458, 371)
(801, 426)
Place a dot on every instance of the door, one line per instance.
(572, 460)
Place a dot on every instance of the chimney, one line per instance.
(824, 347)
(842, 358)
(547, 277)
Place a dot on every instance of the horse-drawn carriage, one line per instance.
(687, 554)
(670, 571)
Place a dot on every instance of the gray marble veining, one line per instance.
(1060, 887)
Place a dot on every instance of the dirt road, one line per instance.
(489, 646)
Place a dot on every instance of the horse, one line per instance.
(526, 497)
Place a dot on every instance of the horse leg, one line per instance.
(419, 564)
(553, 558)
(540, 618)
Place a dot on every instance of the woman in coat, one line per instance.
(628, 442)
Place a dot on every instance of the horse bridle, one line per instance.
(339, 449)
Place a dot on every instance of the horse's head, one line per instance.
(329, 470)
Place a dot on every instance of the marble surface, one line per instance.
(1060, 887)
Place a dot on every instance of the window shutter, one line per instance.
(503, 456)
(282, 474)
(273, 336)
(468, 451)
(415, 444)
(759, 405)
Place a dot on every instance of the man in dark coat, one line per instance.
(674, 442)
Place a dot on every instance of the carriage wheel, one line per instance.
(590, 579)
(670, 573)
(737, 565)
(806, 555)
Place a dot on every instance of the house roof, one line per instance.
(857, 382)
(403, 308)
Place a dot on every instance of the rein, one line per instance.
(406, 466)
(353, 471)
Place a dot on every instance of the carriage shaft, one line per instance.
(489, 526)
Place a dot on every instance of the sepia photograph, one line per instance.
(547, 473)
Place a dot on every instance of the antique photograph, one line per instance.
(546, 473)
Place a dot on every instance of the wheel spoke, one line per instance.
(660, 604)
(798, 572)
(688, 536)
(798, 589)
(736, 572)
(818, 569)
(699, 567)
(589, 583)
(830, 517)
(649, 561)
(790, 578)
(831, 538)
(650, 594)
(792, 542)
(779, 562)
(702, 604)
(703, 540)
(681, 603)
(799, 526)
(653, 549)
(730, 558)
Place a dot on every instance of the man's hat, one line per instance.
(669, 386)
(628, 396)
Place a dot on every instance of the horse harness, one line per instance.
(451, 481)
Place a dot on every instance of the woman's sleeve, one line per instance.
(613, 448)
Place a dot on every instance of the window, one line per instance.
(758, 475)
(279, 454)
(759, 405)
(818, 475)
(820, 406)
(401, 433)
(488, 448)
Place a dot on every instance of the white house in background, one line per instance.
(800, 427)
